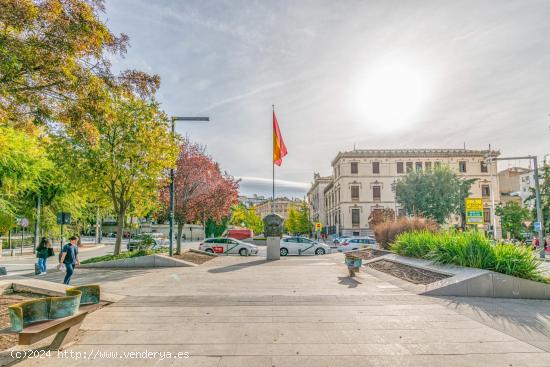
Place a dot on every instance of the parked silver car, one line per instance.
(302, 246)
(228, 246)
(356, 243)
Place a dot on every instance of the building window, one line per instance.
(399, 167)
(355, 193)
(485, 191)
(376, 194)
(355, 217)
(428, 166)
(400, 212)
(462, 166)
(418, 166)
(487, 215)
(437, 164)
(484, 168)
(356, 234)
(354, 167)
(375, 167)
(409, 167)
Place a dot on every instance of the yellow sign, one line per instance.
(318, 226)
(474, 210)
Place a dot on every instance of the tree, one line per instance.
(23, 160)
(297, 221)
(544, 182)
(54, 56)
(202, 192)
(512, 216)
(434, 194)
(213, 229)
(130, 155)
(380, 216)
(246, 217)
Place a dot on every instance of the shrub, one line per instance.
(517, 261)
(414, 244)
(386, 232)
(123, 255)
(470, 249)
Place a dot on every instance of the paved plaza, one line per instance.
(300, 311)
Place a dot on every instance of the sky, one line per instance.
(369, 74)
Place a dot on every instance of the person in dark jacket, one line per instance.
(42, 253)
(69, 258)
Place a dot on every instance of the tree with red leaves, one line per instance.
(201, 192)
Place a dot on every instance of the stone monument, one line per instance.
(273, 229)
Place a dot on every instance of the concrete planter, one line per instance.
(149, 261)
(465, 282)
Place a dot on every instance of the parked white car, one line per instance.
(356, 243)
(228, 246)
(302, 246)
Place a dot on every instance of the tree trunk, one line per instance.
(119, 232)
(178, 238)
(97, 240)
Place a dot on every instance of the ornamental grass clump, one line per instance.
(517, 261)
(470, 249)
(414, 244)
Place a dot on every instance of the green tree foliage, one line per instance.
(246, 217)
(298, 221)
(53, 57)
(213, 229)
(544, 182)
(23, 162)
(132, 152)
(512, 216)
(434, 194)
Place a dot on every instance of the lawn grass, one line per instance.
(123, 255)
(470, 249)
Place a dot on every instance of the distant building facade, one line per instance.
(316, 199)
(282, 206)
(250, 201)
(509, 181)
(363, 181)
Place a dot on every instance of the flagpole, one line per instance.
(273, 161)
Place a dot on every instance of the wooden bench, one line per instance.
(65, 329)
(38, 319)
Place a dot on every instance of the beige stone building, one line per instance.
(509, 181)
(363, 181)
(316, 199)
(282, 206)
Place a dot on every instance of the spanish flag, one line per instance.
(279, 148)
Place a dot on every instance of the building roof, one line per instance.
(317, 179)
(412, 153)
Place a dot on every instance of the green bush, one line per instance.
(414, 244)
(517, 261)
(123, 255)
(469, 249)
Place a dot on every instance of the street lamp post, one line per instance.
(172, 184)
(537, 198)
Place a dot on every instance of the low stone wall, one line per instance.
(465, 282)
(149, 261)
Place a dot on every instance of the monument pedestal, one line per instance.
(273, 248)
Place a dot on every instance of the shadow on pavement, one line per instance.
(524, 319)
(91, 276)
(350, 282)
(239, 266)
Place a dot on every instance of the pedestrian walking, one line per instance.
(43, 251)
(69, 258)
